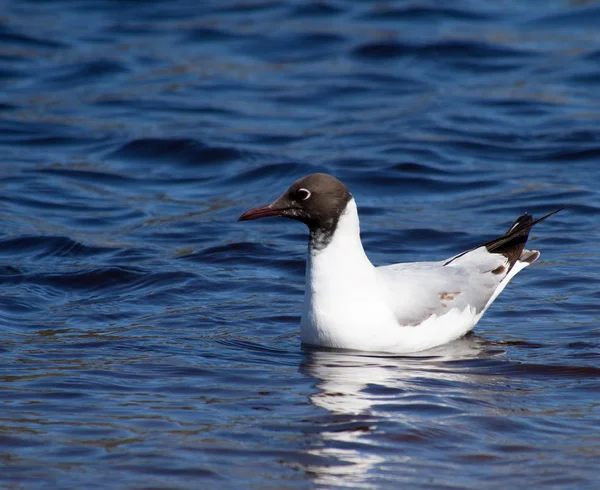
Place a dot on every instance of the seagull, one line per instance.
(408, 307)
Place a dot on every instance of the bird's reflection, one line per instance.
(358, 389)
(343, 375)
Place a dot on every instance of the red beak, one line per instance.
(262, 212)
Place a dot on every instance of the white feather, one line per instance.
(400, 308)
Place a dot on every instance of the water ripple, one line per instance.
(151, 340)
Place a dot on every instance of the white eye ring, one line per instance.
(303, 190)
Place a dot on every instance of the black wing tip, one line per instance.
(552, 213)
(512, 243)
(522, 222)
(526, 220)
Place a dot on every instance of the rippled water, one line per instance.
(150, 340)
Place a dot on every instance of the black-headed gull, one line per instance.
(351, 304)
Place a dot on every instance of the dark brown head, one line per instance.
(317, 200)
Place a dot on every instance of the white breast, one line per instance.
(347, 305)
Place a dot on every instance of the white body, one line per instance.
(401, 308)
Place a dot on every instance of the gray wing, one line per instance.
(420, 289)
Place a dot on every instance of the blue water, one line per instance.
(151, 341)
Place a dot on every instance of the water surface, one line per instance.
(150, 340)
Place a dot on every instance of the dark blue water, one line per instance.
(151, 341)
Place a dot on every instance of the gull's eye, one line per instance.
(303, 194)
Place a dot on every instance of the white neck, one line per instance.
(345, 247)
(342, 263)
(337, 278)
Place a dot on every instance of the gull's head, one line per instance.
(317, 200)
